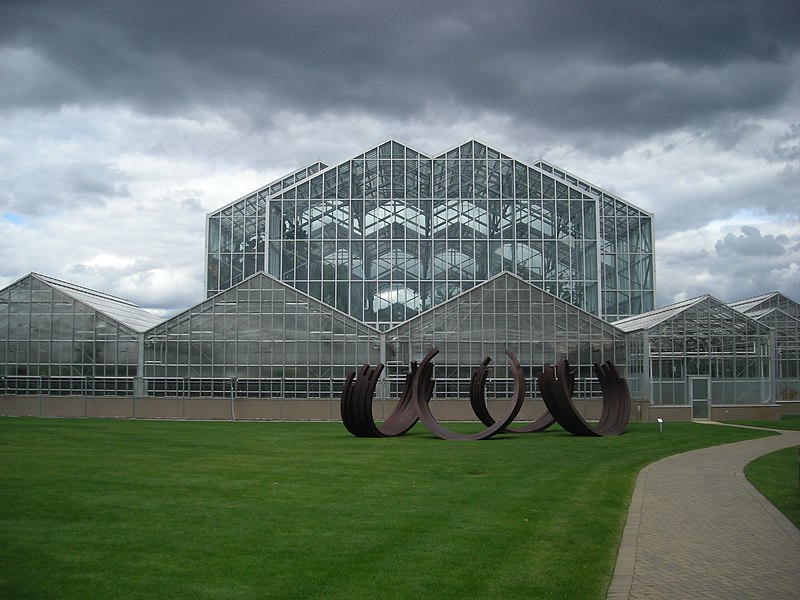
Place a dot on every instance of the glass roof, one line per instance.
(622, 206)
(276, 186)
(655, 317)
(120, 310)
(448, 167)
(776, 300)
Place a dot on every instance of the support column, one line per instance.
(138, 380)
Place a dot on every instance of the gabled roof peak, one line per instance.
(121, 310)
(770, 299)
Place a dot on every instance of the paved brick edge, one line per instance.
(622, 579)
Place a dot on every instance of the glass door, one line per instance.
(700, 397)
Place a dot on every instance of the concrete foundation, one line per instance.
(327, 409)
(732, 412)
(790, 407)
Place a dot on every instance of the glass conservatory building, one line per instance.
(782, 315)
(61, 339)
(699, 354)
(393, 232)
(377, 259)
(267, 343)
(263, 349)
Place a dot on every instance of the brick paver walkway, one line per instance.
(697, 529)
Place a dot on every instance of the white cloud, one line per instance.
(104, 260)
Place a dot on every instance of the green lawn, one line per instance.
(786, 422)
(160, 509)
(777, 475)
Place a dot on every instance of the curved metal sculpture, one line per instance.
(356, 404)
(477, 399)
(556, 386)
(557, 395)
(404, 416)
(477, 393)
(422, 389)
(616, 399)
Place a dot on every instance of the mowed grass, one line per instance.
(786, 422)
(777, 475)
(158, 509)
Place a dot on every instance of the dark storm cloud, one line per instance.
(621, 68)
(93, 181)
(59, 187)
(752, 263)
(787, 146)
(740, 265)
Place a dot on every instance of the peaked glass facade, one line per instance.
(504, 313)
(626, 250)
(699, 352)
(54, 342)
(782, 314)
(264, 339)
(393, 232)
(260, 338)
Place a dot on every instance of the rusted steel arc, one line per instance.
(363, 391)
(616, 399)
(350, 409)
(548, 390)
(544, 421)
(358, 393)
(558, 399)
(610, 387)
(404, 415)
(346, 402)
(581, 425)
(359, 388)
(422, 383)
(477, 399)
(356, 405)
(365, 402)
(624, 399)
(477, 393)
(427, 418)
(348, 406)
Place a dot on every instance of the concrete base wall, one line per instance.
(734, 412)
(170, 408)
(329, 410)
(244, 408)
(669, 413)
(266, 409)
(20, 406)
(791, 407)
(160, 408)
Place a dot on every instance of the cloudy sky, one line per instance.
(122, 123)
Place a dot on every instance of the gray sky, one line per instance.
(123, 123)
